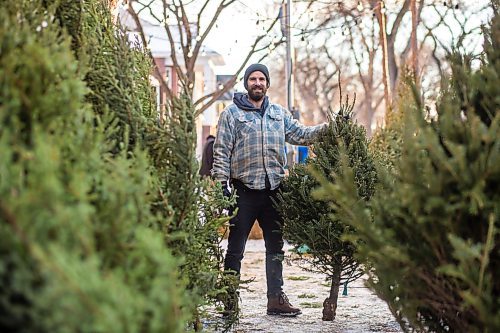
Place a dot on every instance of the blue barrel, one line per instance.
(303, 152)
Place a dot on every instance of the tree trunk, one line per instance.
(414, 46)
(330, 303)
(380, 11)
(393, 69)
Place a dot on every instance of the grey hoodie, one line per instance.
(242, 102)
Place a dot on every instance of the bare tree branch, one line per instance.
(232, 82)
(190, 43)
(173, 54)
(213, 21)
(157, 72)
(391, 37)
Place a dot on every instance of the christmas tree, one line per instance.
(77, 252)
(117, 74)
(430, 235)
(313, 224)
(190, 209)
(386, 143)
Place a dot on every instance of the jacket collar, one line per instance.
(241, 101)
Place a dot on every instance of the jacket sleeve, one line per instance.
(299, 134)
(210, 155)
(223, 146)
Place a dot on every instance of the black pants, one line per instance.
(257, 205)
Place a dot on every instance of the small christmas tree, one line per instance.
(313, 223)
(430, 235)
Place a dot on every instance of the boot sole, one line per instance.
(283, 314)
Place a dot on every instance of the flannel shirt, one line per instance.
(248, 146)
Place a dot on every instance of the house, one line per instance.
(205, 78)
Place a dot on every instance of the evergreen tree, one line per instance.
(430, 235)
(117, 74)
(118, 77)
(190, 209)
(77, 252)
(310, 222)
(385, 145)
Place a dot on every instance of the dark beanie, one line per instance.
(256, 68)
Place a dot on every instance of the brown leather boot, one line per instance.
(280, 305)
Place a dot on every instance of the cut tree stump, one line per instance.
(330, 303)
(329, 309)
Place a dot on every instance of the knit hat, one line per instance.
(256, 68)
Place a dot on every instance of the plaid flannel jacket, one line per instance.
(248, 145)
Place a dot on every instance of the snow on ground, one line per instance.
(361, 311)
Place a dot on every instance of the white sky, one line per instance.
(237, 30)
(237, 26)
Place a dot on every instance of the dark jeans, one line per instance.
(257, 205)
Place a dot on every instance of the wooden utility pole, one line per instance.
(289, 55)
(414, 47)
(380, 12)
(290, 155)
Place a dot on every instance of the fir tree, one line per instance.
(310, 222)
(190, 210)
(96, 193)
(385, 145)
(430, 236)
(117, 74)
(77, 251)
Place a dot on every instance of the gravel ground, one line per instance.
(359, 312)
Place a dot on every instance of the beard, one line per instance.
(257, 93)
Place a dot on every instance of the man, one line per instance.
(249, 153)
(207, 157)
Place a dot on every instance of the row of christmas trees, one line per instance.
(417, 208)
(100, 203)
(105, 225)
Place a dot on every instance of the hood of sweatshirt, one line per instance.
(241, 101)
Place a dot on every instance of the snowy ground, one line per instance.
(358, 312)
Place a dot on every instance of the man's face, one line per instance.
(257, 85)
